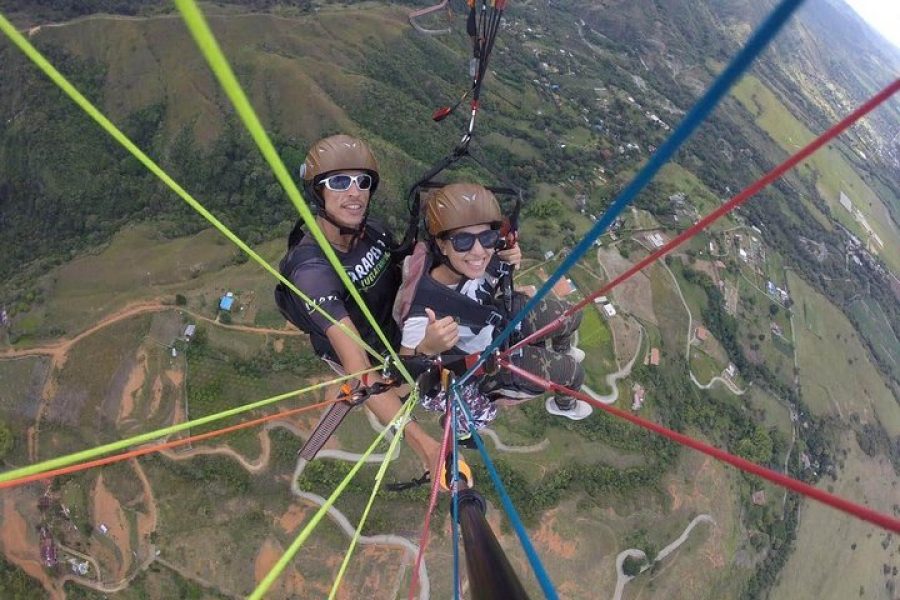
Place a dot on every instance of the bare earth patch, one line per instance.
(108, 511)
(278, 345)
(20, 545)
(635, 294)
(133, 386)
(155, 396)
(705, 266)
(146, 522)
(627, 334)
(290, 584)
(676, 497)
(701, 492)
(290, 520)
(547, 537)
(173, 377)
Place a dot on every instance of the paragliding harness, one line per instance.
(353, 393)
(485, 18)
(419, 291)
(291, 306)
(418, 264)
(482, 25)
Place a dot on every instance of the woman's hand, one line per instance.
(440, 335)
(511, 255)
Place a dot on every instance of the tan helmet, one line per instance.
(460, 205)
(339, 153)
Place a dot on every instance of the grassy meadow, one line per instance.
(833, 173)
(839, 556)
(835, 373)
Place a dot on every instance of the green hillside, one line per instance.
(579, 94)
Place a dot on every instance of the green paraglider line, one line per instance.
(8, 478)
(50, 71)
(206, 41)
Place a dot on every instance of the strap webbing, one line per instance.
(331, 420)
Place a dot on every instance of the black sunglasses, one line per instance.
(465, 241)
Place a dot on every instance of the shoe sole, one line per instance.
(582, 411)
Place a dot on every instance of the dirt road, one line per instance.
(622, 578)
(59, 351)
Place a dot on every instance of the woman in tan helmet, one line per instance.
(459, 279)
(339, 175)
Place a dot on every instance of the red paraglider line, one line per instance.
(857, 510)
(726, 208)
(158, 447)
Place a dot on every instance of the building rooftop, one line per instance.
(563, 287)
(638, 397)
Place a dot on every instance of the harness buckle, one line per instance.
(397, 426)
(390, 370)
(496, 319)
(357, 393)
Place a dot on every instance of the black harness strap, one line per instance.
(352, 395)
(331, 420)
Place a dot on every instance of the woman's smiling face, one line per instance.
(473, 262)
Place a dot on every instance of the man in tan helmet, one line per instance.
(459, 279)
(339, 175)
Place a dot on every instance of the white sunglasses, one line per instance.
(342, 182)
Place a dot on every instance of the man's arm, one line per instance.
(385, 406)
(349, 353)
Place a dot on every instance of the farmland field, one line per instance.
(839, 556)
(832, 171)
(835, 372)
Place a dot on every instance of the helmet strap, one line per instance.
(443, 259)
(319, 206)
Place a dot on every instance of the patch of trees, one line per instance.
(632, 565)
(595, 481)
(782, 535)
(323, 476)
(76, 592)
(6, 440)
(299, 361)
(221, 476)
(15, 583)
(49, 209)
(873, 439)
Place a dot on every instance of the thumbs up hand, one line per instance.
(440, 334)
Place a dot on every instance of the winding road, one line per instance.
(730, 385)
(612, 379)
(622, 578)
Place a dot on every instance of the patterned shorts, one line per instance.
(482, 409)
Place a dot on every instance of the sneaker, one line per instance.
(580, 410)
(576, 353)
